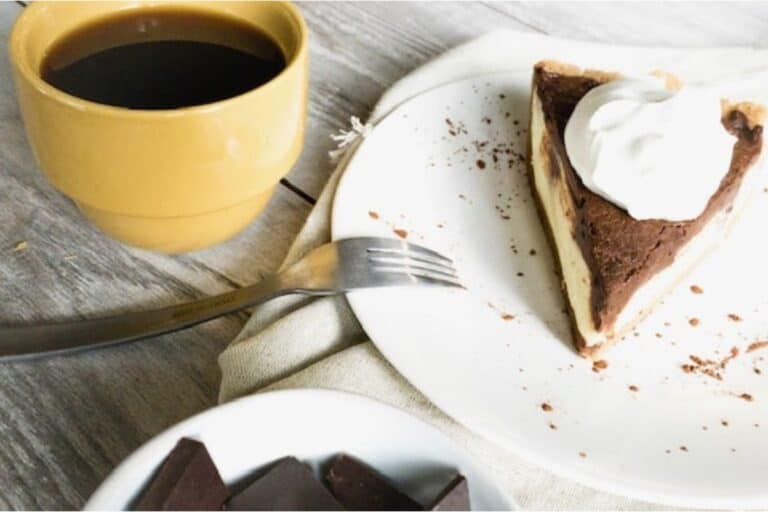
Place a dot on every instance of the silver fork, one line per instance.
(331, 269)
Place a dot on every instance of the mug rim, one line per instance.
(20, 63)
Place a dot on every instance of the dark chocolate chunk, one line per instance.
(287, 485)
(360, 487)
(455, 496)
(187, 480)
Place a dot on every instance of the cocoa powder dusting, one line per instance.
(599, 365)
(693, 321)
(696, 289)
(373, 215)
(709, 367)
(401, 233)
(546, 407)
(734, 317)
(757, 345)
(633, 388)
(455, 129)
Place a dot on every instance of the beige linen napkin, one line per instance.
(317, 343)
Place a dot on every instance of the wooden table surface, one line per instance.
(66, 422)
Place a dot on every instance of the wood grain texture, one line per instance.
(66, 422)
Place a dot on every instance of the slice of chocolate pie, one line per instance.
(614, 266)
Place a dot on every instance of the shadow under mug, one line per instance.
(165, 180)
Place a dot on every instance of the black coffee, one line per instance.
(162, 59)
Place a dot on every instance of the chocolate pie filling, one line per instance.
(622, 252)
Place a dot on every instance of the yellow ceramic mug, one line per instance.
(168, 180)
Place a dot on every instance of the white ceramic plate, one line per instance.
(312, 425)
(492, 356)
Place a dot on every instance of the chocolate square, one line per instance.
(360, 487)
(287, 485)
(455, 496)
(187, 480)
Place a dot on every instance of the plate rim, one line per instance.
(99, 498)
(619, 487)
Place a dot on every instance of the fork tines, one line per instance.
(421, 263)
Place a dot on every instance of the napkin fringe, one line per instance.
(345, 138)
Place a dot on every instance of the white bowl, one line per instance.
(312, 425)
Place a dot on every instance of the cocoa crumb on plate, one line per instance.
(546, 407)
(696, 289)
(709, 367)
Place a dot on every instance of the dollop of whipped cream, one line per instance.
(657, 153)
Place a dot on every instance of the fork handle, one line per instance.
(17, 342)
